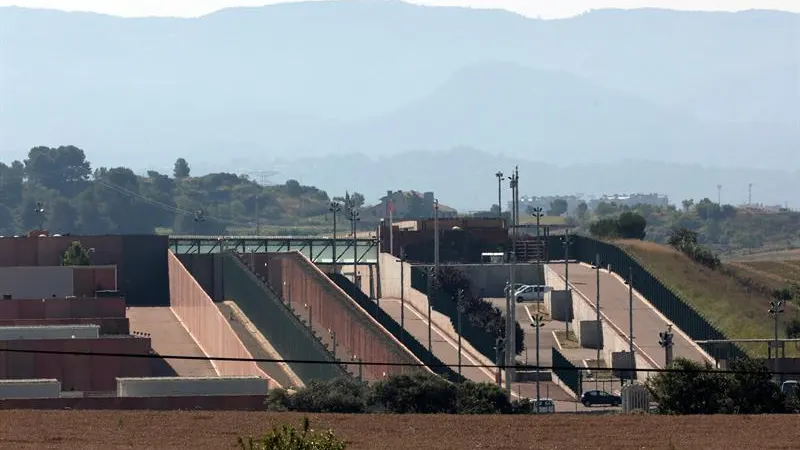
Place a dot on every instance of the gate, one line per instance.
(635, 398)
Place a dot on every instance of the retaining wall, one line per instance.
(62, 308)
(210, 329)
(190, 386)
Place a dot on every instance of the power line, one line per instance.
(375, 363)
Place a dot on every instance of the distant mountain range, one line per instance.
(246, 87)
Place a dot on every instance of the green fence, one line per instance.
(388, 322)
(663, 298)
(291, 338)
(568, 373)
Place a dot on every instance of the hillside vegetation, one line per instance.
(736, 309)
(56, 189)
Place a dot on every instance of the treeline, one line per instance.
(419, 393)
(57, 189)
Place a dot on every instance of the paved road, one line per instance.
(169, 337)
(446, 349)
(614, 304)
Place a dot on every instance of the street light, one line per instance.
(776, 308)
(353, 218)
(402, 261)
(430, 271)
(335, 208)
(459, 306)
(39, 210)
(500, 179)
(199, 217)
(566, 241)
(499, 345)
(666, 342)
(536, 211)
(538, 322)
(436, 235)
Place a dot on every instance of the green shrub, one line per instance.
(288, 437)
(420, 393)
(482, 398)
(343, 395)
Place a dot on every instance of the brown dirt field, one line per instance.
(219, 430)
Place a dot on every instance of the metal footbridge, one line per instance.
(318, 250)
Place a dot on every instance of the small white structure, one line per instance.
(190, 386)
(635, 398)
(18, 333)
(26, 389)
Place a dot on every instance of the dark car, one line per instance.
(591, 398)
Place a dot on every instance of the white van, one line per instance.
(532, 293)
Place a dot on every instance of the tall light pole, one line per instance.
(566, 241)
(459, 306)
(500, 179)
(775, 309)
(199, 217)
(719, 195)
(436, 236)
(599, 326)
(39, 210)
(499, 345)
(402, 288)
(511, 312)
(666, 342)
(353, 217)
(335, 208)
(538, 213)
(430, 300)
(537, 323)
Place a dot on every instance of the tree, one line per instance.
(751, 390)
(63, 169)
(419, 393)
(557, 207)
(681, 238)
(182, 169)
(583, 210)
(631, 225)
(63, 217)
(687, 204)
(693, 388)
(76, 255)
(357, 199)
(604, 228)
(293, 188)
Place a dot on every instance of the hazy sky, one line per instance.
(533, 8)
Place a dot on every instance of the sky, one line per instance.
(547, 9)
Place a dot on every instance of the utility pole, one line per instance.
(630, 308)
(509, 327)
(750, 194)
(430, 300)
(719, 195)
(666, 343)
(775, 309)
(511, 313)
(537, 323)
(459, 303)
(335, 208)
(500, 179)
(499, 345)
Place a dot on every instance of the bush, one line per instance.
(420, 393)
(288, 437)
(482, 398)
(685, 241)
(793, 329)
(343, 395)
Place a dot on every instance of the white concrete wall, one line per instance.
(49, 332)
(36, 282)
(30, 389)
(185, 386)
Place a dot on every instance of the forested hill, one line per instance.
(59, 189)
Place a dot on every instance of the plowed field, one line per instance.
(218, 430)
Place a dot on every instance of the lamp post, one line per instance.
(500, 179)
(402, 288)
(775, 309)
(436, 235)
(335, 208)
(430, 298)
(459, 306)
(666, 342)
(199, 217)
(499, 345)
(39, 210)
(538, 321)
(538, 213)
(566, 241)
(511, 314)
(353, 218)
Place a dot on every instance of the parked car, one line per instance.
(591, 398)
(531, 293)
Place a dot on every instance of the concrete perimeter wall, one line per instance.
(613, 339)
(491, 278)
(37, 282)
(30, 389)
(303, 283)
(190, 386)
(76, 372)
(203, 320)
(62, 308)
(194, 403)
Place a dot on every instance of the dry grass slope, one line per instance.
(717, 296)
(110, 430)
